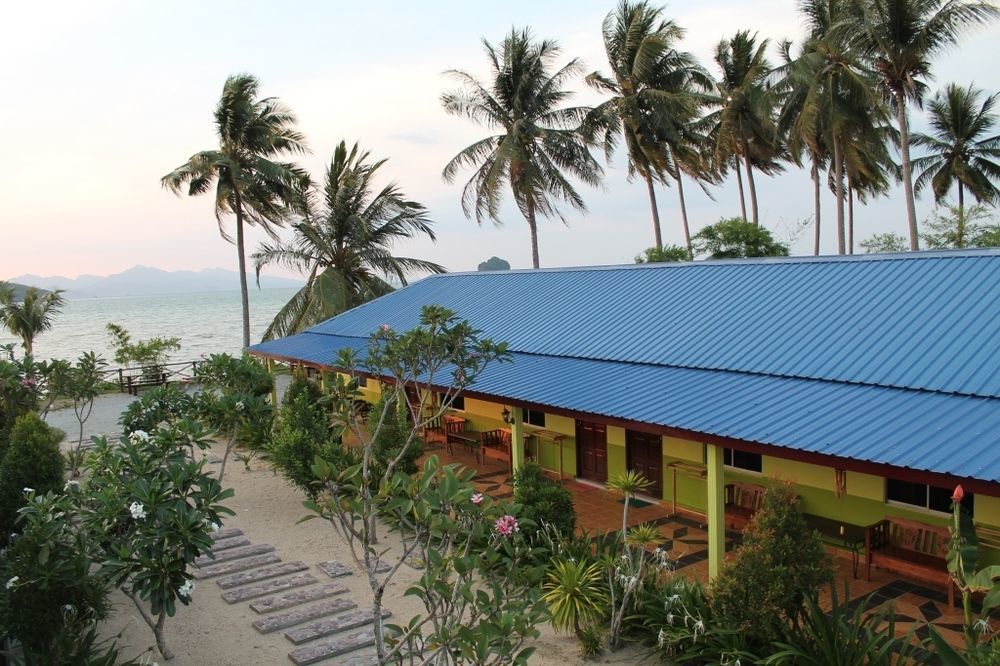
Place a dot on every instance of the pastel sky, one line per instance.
(100, 99)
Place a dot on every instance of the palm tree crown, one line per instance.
(345, 244)
(30, 317)
(250, 182)
(656, 93)
(902, 37)
(962, 148)
(537, 142)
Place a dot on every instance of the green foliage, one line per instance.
(592, 641)
(963, 563)
(545, 501)
(842, 637)
(32, 460)
(81, 383)
(974, 226)
(151, 352)
(163, 404)
(494, 264)
(735, 239)
(390, 441)
(302, 433)
(780, 564)
(234, 375)
(51, 598)
(575, 594)
(666, 254)
(885, 243)
(33, 315)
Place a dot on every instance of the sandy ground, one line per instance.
(210, 631)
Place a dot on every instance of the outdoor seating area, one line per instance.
(912, 548)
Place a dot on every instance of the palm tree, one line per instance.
(249, 181)
(744, 124)
(538, 142)
(655, 96)
(961, 148)
(831, 95)
(902, 37)
(345, 245)
(31, 316)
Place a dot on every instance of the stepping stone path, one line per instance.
(286, 596)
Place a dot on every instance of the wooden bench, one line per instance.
(910, 548)
(743, 500)
(456, 433)
(132, 384)
(496, 444)
(434, 430)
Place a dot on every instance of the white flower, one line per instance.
(214, 527)
(670, 619)
(186, 589)
(139, 436)
(12, 582)
(72, 483)
(240, 406)
(137, 510)
(28, 490)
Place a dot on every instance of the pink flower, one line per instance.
(27, 382)
(958, 494)
(477, 498)
(506, 525)
(385, 328)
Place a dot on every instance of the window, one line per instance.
(924, 496)
(751, 462)
(533, 417)
(458, 403)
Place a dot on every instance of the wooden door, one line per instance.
(644, 453)
(592, 451)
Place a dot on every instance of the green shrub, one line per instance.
(392, 435)
(780, 564)
(163, 404)
(51, 598)
(33, 460)
(545, 501)
(301, 433)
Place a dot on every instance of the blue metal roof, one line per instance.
(890, 359)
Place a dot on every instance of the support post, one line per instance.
(517, 440)
(716, 511)
(274, 383)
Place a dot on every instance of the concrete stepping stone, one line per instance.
(263, 573)
(331, 625)
(233, 566)
(234, 554)
(335, 569)
(346, 642)
(231, 542)
(225, 533)
(270, 587)
(296, 597)
(272, 623)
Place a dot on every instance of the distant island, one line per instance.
(148, 281)
(19, 289)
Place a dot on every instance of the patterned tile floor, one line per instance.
(684, 537)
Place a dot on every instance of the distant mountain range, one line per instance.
(19, 290)
(147, 281)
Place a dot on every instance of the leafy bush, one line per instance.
(32, 460)
(52, 598)
(576, 594)
(391, 437)
(152, 352)
(302, 433)
(163, 404)
(545, 501)
(780, 564)
(234, 375)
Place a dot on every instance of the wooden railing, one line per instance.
(131, 380)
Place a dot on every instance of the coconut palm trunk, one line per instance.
(657, 235)
(750, 183)
(904, 154)
(739, 185)
(684, 214)
(533, 229)
(838, 176)
(960, 239)
(816, 206)
(244, 292)
(850, 217)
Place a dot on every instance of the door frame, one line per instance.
(598, 427)
(630, 436)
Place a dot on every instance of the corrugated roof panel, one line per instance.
(927, 321)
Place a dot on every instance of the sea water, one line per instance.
(206, 323)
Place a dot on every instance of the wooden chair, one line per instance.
(911, 548)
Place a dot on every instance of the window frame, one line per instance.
(526, 417)
(730, 453)
(969, 501)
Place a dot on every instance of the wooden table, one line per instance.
(556, 438)
(852, 537)
(686, 469)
